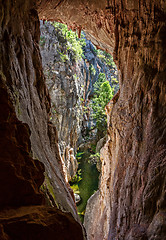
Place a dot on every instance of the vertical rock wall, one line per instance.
(65, 80)
(70, 82)
(21, 71)
(22, 90)
(130, 203)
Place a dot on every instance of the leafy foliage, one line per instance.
(77, 177)
(79, 155)
(75, 188)
(102, 95)
(106, 58)
(73, 44)
(42, 41)
(94, 158)
(92, 69)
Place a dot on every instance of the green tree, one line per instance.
(73, 43)
(102, 95)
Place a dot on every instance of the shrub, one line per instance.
(73, 43)
(102, 95)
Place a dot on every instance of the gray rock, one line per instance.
(64, 80)
(101, 143)
(77, 198)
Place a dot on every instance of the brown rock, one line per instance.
(131, 203)
(20, 175)
(38, 222)
(21, 70)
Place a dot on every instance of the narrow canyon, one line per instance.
(43, 90)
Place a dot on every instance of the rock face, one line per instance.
(20, 175)
(71, 84)
(38, 223)
(92, 62)
(93, 66)
(21, 217)
(132, 189)
(64, 80)
(23, 91)
(22, 71)
(131, 203)
(131, 200)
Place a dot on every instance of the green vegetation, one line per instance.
(77, 177)
(105, 57)
(85, 182)
(92, 69)
(95, 157)
(42, 41)
(78, 155)
(102, 95)
(47, 187)
(75, 188)
(88, 184)
(64, 57)
(73, 43)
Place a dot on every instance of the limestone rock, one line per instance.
(22, 73)
(100, 144)
(77, 197)
(64, 80)
(71, 84)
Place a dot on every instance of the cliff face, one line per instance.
(23, 91)
(70, 83)
(130, 203)
(65, 84)
(21, 66)
(95, 63)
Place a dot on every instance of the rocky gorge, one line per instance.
(70, 82)
(130, 202)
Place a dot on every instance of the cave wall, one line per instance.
(132, 191)
(26, 136)
(130, 203)
(21, 66)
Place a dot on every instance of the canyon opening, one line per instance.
(52, 83)
(81, 80)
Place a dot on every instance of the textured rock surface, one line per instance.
(132, 192)
(20, 175)
(22, 70)
(71, 84)
(38, 223)
(132, 189)
(89, 15)
(23, 91)
(64, 80)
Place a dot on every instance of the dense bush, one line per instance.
(102, 95)
(73, 43)
(105, 57)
